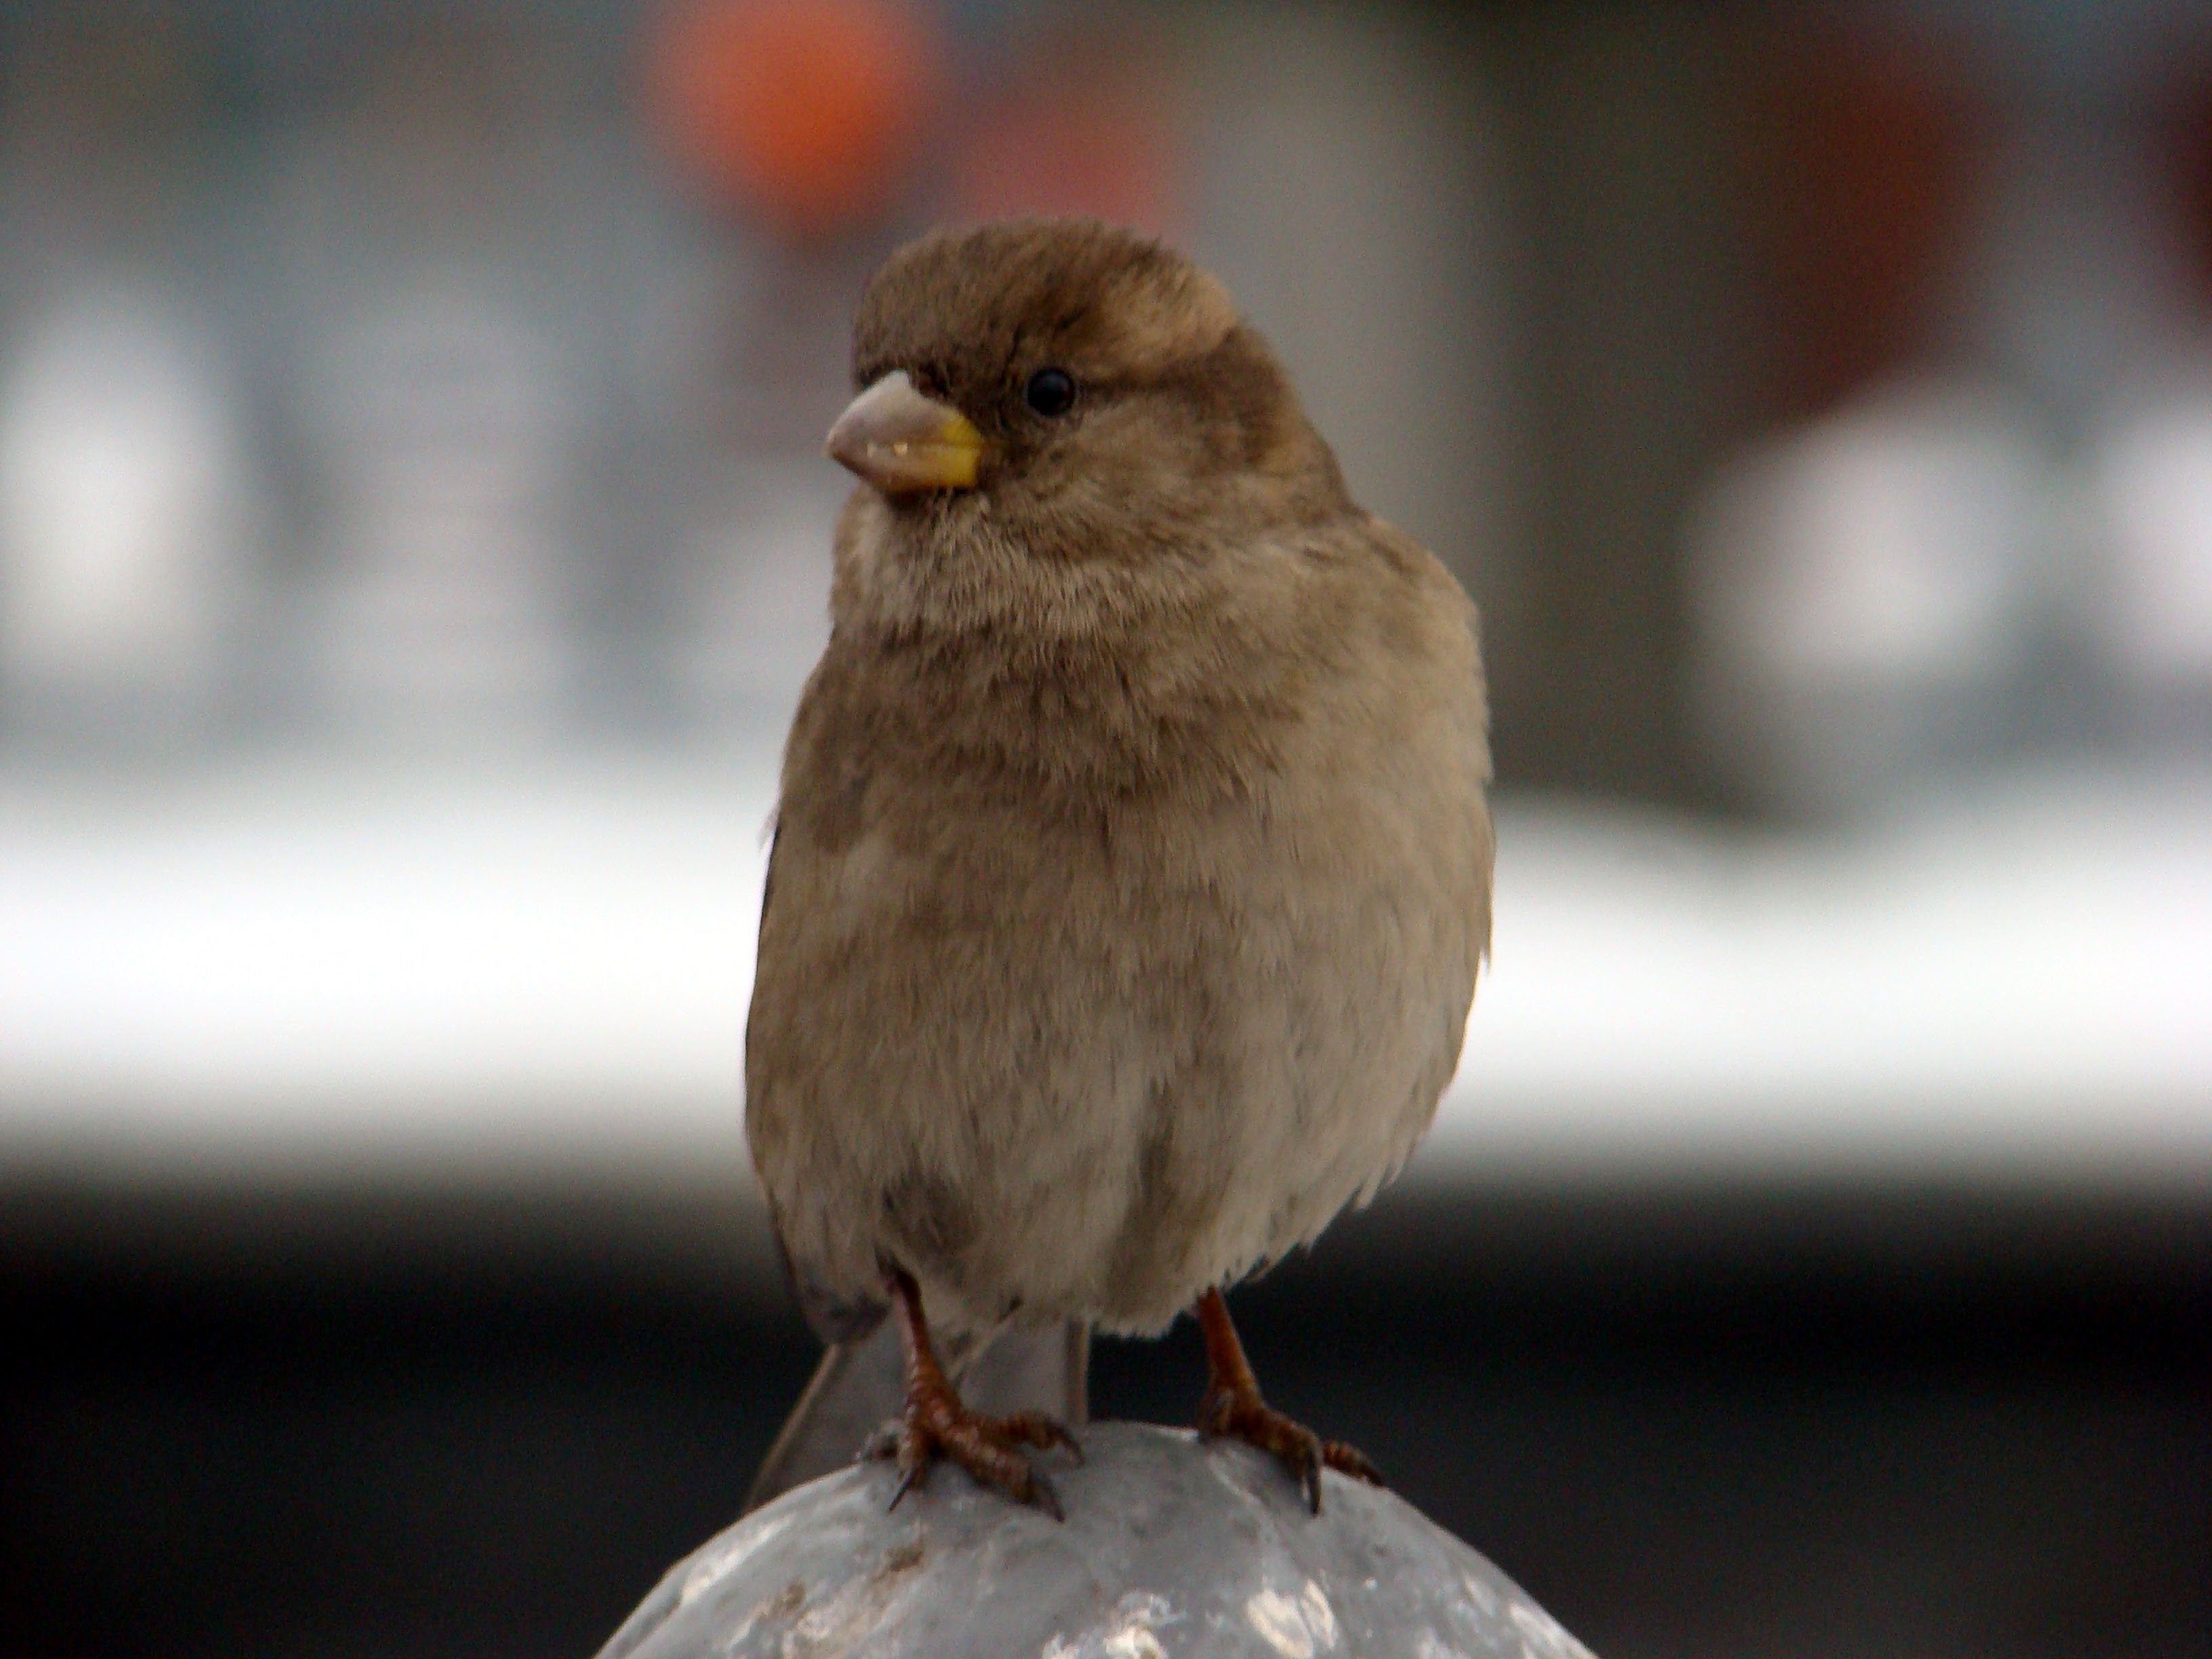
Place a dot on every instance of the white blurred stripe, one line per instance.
(351, 970)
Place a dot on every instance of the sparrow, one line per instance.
(1132, 868)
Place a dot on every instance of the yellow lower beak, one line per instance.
(902, 442)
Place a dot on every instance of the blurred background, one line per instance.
(413, 536)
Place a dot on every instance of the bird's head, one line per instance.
(1043, 403)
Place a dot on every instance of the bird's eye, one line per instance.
(1050, 393)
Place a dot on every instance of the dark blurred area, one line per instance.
(414, 535)
(1802, 1418)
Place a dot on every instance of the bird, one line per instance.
(1131, 870)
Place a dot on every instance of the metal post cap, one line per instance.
(1172, 1549)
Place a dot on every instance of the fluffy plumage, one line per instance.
(1133, 865)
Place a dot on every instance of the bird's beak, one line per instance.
(902, 442)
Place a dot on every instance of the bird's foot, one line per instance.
(936, 1425)
(1241, 1414)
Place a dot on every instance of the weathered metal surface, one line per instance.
(1171, 1549)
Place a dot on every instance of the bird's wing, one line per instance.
(837, 1320)
(861, 1381)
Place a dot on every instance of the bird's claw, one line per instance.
(1346, 1459)
(1242, 1414)
(1036, 1429)
(984, 1446)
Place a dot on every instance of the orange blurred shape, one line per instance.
(807, 111)
(2184, 138)
(1086, 128)
(1868, 146)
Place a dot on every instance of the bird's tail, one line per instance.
(859, 1385)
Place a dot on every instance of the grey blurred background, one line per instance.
(413, 536)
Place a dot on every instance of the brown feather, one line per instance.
(1133, 868)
